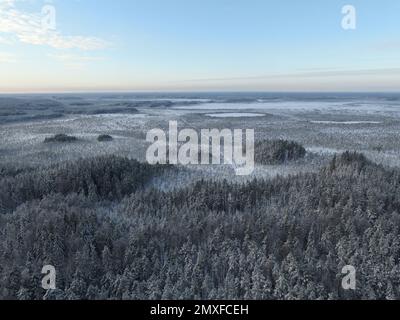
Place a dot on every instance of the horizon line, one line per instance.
(83, 91)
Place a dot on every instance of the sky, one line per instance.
(199, 45)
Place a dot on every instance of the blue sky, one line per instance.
(187, 45)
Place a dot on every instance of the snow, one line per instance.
(286, 105)
(235, 115)
(359, 106)
(346, 122)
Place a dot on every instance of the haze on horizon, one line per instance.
(177, 45)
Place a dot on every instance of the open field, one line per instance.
(324, 126)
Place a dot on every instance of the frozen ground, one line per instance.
(346, 122)
(324, 126)
(235, 115)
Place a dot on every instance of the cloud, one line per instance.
(28, 28)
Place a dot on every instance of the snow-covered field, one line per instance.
(235, 115)
(346, 122)
(348, 105)
(323, 127)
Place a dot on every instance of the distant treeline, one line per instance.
(285, 238)
(60, 138)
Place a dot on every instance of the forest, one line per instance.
(110, 235)
(270, 152)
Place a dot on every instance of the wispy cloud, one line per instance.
(27, 28)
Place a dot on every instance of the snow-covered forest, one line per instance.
(285, 238)
(115, 227)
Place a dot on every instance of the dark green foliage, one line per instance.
(115, 111)
(104, 138)
(103, 178)
(273, 152)
(12, 170)
(60, 138)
